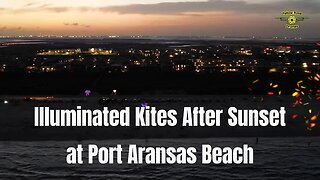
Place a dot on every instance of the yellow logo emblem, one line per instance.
(292, 18)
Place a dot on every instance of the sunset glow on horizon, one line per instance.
(154, 17)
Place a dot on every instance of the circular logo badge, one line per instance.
(292, 20)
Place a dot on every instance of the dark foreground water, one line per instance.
(274, 158)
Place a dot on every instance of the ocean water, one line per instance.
(274, 158)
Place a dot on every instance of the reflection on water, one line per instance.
(274, 158)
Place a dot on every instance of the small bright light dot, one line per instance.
(114, 92)
(87, 92)
(305, 65)
(5, 102)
